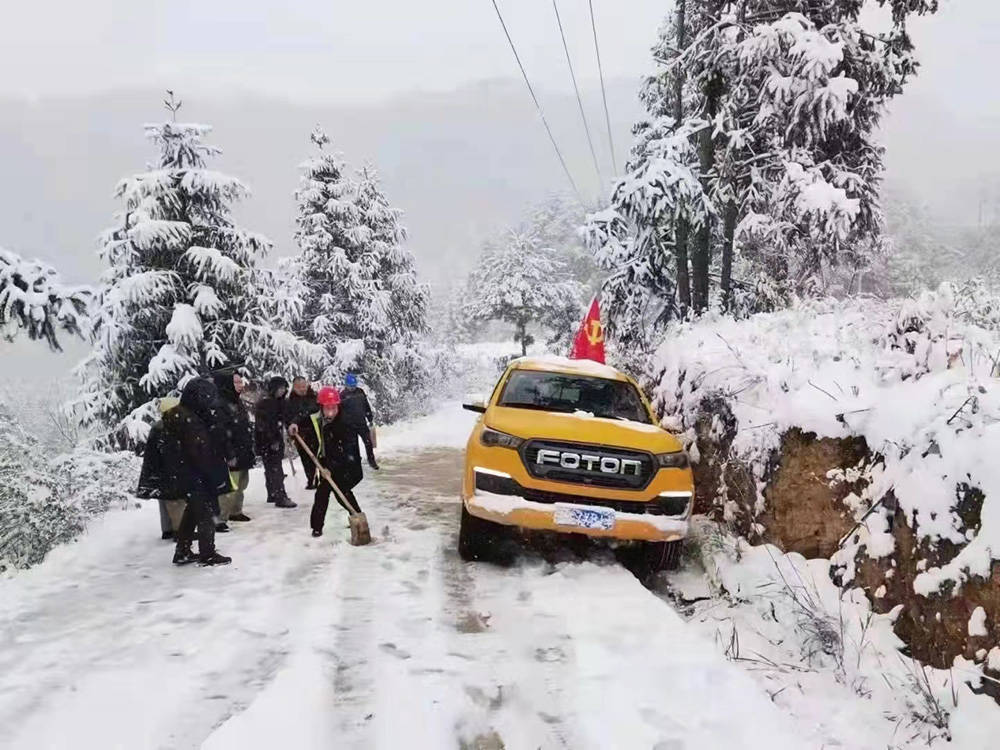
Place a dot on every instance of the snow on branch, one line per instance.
(184, 328)
(150, 234)
(210, 262)
(34, 299)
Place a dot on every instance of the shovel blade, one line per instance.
(360, 533)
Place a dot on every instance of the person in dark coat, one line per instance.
(302, 402)
(194, 467)
(154, 481)
(235, 435)
(335, 444)
(358, 414)
(269, 435)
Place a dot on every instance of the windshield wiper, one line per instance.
(538, 407)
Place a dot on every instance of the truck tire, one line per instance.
(483, 540)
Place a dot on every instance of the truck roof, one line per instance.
(582, 367)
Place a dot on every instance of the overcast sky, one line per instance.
(346, 55)
(310, 49)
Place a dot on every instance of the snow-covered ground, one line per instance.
(312, 643)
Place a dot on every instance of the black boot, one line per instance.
(183, 554)
(167, 535)
(317, 532)
(221, 528)
(214, 558)
(241, 517)
(374, 464)
(285, 502)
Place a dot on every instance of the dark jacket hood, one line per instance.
(223, 380)
(274, 384)
(201, 396)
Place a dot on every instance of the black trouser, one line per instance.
(274, 477)
(365, 434)
(322, 501)
(307, 466)
(198, 512)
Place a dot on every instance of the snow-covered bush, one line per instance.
(46, 500)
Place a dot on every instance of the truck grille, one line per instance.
(591, 465)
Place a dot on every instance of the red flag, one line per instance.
(589, 340)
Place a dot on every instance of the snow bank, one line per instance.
(448, 427)
(817, 650)
(912, 377)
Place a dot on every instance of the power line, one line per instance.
(579, 101)
(604, 93)
(537, 105)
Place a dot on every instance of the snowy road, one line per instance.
(306, 643)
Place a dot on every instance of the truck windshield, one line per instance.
(553, 391)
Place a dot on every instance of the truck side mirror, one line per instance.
(475, 403)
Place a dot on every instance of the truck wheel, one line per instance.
(663, 555)
(479, 539)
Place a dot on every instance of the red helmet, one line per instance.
(328, 396)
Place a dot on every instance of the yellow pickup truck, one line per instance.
(572, 446)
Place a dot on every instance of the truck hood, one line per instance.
(581, 428)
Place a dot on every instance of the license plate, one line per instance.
(587, 518)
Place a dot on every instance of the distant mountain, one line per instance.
(461, 164)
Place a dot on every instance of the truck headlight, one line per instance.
(676, 460)
(497, 439)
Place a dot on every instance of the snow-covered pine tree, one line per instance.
(183, 294)
(361, 302)
(328, 235)
(521, 283)
(391, 305)
(757, 154)
(33, 299)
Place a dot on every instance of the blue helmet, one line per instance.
(351, 380)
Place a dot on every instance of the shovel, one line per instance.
(360, 533)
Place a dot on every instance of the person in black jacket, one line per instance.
(269, 434)
(194, 468)
(235, 435)
(153, 478)
(335, 444)
(358, 414)
(302, 402)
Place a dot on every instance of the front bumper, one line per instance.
(632, 521)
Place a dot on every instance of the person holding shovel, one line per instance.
(335, 445)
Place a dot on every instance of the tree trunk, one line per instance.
(681, 23)
(681, 234)
(701, 253)
(728, 246)
(522, 334)
(682, 230)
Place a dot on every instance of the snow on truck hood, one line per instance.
(581, 428)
